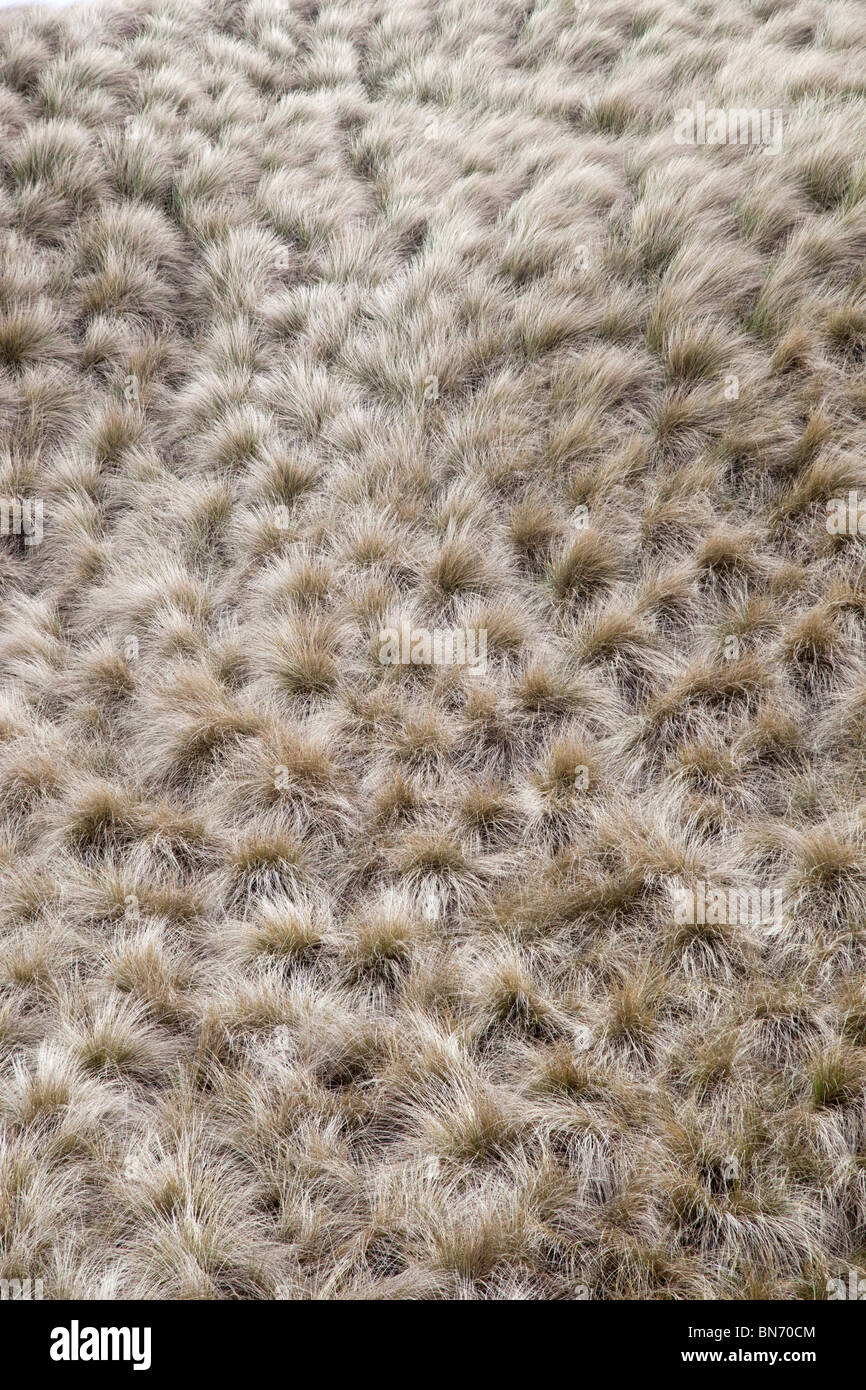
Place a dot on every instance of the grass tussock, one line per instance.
(432, 837)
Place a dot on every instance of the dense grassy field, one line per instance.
(432, 649)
